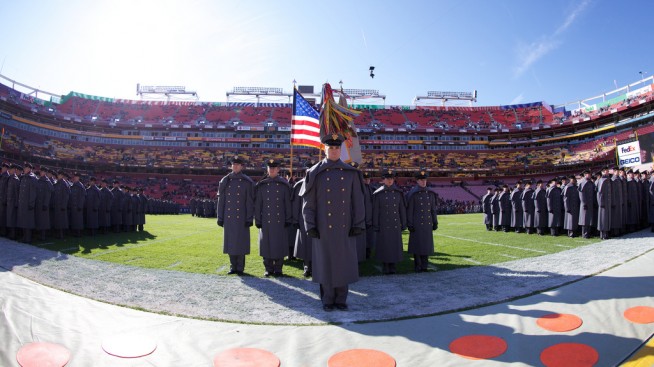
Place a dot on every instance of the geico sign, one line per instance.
(631, 160)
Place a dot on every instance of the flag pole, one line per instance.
(290, 136)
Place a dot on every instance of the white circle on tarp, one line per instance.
(40, 354)
(129, 345)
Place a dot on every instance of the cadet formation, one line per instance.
(331, 219)
(609, 203)
(37, 203)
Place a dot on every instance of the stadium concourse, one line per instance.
(591, 305)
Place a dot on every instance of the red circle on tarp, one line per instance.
(569, 355)
(559, 322)
(246, 357)
(43, 355)
(640, 314)
(478, 346)
(129, 346)
(361, 358)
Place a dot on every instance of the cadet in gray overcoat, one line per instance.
(303, 245)
(505, 208)
(495, 209)
(421, 221)
(76, 205)
(116, 202)
(126, 209)
(104, 210)
(235, 213)
(616, 202)
(571, 204)
(540, 206)
(143, 207)
(633, 204)
(389, 220)
(369, 232)
(92, 206)
(273, 216)
(554, 207)
(586, 190)
(4, 178)
(486, 207)
(528, 208)
(517, 215)
(136, 207)
(44, 192)
(334, 214)
(13, 187)
(604, 202)
(61, 197)
(26, 216)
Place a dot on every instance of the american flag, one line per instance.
(305, 126)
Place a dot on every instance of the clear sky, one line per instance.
(511, 51)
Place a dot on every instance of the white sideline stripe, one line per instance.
(566, 246)
(472, 261)
(220, 269)
(494, 244)
(174, 264)
(509, 256)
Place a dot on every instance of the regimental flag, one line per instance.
(305, 125)
(351, 150)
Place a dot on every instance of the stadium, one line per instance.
(157, 289)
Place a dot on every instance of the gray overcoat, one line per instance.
(528, 208)
(4, 179)
(516, 207)
(633, 205)
(554, 207)
(586, 190)
(505, 208)
(540, 206)
(44, 192)
(617, 220)
(104, 210)
(495, 209)
(116, 202)
(388, 220)
(302, 241)
(235, 208)
(421, 217)
(76, 205)
(26, 217)
(61, 196)
(604, 201)
(13, 187)
(273, 214)
(92, 205)
(486, 206)
(334, 205)
(571, 204)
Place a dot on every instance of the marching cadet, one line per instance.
(26, 216)
(143, 208)
(334, 213)
(505, 208)
(571, 203)
(586, 190)
(540, 206)
(604, 202)
(116, 206)
(517, 215)
(422, 221)
(633, 203)
(272, 215)
(104, 210)
(61, 196)
(44, 192)
(389, 220)
(495, 209)
(4, 179)
(13, 188)
(486, 205)
(76, 205)
(554, 201)
(235, 212)
(92, 205)
(528, 208)
(302, 248)
(369, 232)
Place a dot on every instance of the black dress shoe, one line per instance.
(232, 272)
(278, 274)
(341, 306)
(306, 274)
(239, 273)
(328, 308)
(266, 274)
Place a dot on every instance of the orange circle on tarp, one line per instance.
(246, 357)
(361, 358)
(569, 355)
(640, 314)
(42, 355)
(478, 346)
(559, 322)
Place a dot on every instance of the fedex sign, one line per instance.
(629, 154)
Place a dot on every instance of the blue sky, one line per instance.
(511, 51)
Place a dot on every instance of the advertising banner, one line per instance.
(629, 154)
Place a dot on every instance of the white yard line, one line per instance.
(509, 256)
(566, 246)
(173, 265)
(493, 244)
(472, 261)
(221, 269)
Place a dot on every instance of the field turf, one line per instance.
(185, 243)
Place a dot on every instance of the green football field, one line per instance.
(185, 243)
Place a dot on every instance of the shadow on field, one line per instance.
(85, 244)
(14, 254)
